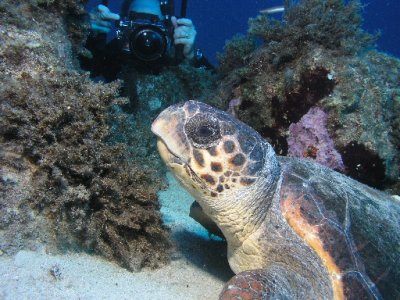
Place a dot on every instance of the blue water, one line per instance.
(218, 20)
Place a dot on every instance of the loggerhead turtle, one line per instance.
(294, 229)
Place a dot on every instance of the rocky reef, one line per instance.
(65, 180)
(318, 58)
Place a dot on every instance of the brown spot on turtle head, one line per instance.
(216, 167)
(229, 146)
(213, 151)
(198, 157)
(245, 181)
(238, 160)
(208, 179)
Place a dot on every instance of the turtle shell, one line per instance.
(353, 228)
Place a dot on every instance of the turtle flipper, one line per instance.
(197, 214)
(276, 282)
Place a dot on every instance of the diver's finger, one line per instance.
(104, 23)
(181, 36)
(181, 32)
(102, 8)
(97, 28)
(173, 21)
(105, 13)
(191, 35)
(184, 21)
(111, 16)
(184, 41)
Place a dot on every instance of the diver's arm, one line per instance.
(101, 19)
(185, 34)
(104, 60)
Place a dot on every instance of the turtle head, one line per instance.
(212, 153)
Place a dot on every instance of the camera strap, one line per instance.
(183, 8)
(179, 48)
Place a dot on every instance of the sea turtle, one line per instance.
(294, 229)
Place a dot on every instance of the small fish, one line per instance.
(273, 10)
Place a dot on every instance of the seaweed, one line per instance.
(63, 182)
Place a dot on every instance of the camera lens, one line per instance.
(147, 44)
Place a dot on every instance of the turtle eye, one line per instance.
(203, 130)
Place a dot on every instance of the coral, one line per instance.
(38, 15)
(320, 57)
(332, 24)
(64, 182)
(235, 53)
(197, 83)
(309, 138)
(314, 85)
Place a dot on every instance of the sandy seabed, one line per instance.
(198, 269)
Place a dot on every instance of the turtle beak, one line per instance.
(169, 128)
(166, 122)
(165, 154)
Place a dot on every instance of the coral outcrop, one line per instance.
(309, 138)
(64, 181)
(319, 57)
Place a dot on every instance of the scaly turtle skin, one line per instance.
(294, 229)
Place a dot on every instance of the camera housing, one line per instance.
(144, 36)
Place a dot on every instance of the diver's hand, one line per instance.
(185, 34)
(100, 19)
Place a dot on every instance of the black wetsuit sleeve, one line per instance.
(106, 60)
(202, 63)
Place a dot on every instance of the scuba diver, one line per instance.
(148, 37)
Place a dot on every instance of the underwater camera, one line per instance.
(145, 36)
